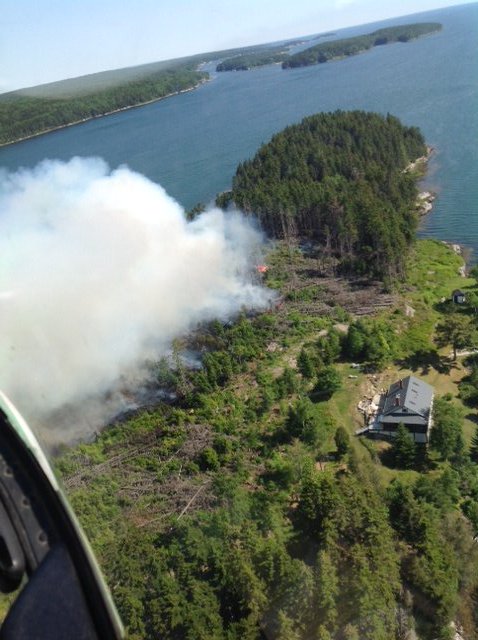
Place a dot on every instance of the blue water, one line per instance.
(192, 143)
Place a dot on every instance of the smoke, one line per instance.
(100, 271)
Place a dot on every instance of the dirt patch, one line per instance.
(341, 327)
(356, 295)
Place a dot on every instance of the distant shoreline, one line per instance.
(102, 115)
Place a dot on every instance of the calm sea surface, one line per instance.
(192, 143)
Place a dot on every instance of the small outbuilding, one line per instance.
(458, 297)
(408, 401)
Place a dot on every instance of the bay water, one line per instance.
(192, 143)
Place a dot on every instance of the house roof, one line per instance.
(410, 396)
(409, 419)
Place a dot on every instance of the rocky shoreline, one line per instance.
(425, 199)
(425, 202)
(463, 252)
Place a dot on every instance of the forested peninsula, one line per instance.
(27, 113)
(326, 51)
(338, 179)
(36, 110)
(263, 55)
(258, 59)
(247, 507)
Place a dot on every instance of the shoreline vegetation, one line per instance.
(338, 49)
(264, 55)
(27, 113)
(247, 507)
(106, 113)
(328, 51)
(425, 199)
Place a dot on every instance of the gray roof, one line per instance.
(397, 419)
(409, 396)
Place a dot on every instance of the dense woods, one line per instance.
(338, 179)
(326, 51)
(22, 115)
(245, 62)
(260, 56)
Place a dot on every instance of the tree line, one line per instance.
(260, 56)
(326, 51)
(247, 61)
(22, 115)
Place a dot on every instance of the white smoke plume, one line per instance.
(100, 270)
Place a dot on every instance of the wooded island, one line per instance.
(336, 49)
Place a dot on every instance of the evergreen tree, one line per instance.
(351, 633)
(377, 349)
(470, 509)
(403, 448)
(342, 442)
(302, 418)
(472, 300)
(267, 397)
(317, 499)
(447, 433)
(329, 347)
(306, 364)
(457, 330)
(286, 384)
(328, 382)
(474, 446)
(354, 343)
(307, 422)
(323, 633)
(327, 591)
(287, 628)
